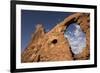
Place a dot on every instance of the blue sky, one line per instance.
(30, 18)
(76, 38)
(49, 19)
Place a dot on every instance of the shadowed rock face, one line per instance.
(53, 46)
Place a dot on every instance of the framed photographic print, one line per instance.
(52, 36)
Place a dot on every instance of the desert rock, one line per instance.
(53, 46)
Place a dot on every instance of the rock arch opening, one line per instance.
(76, 38)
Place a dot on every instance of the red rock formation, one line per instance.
(30, 53)
(53, 46)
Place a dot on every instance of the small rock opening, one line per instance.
(54, 41)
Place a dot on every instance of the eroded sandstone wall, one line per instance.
(53, 46)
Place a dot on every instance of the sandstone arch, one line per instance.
(41, 47)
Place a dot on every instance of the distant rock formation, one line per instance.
(53, 46)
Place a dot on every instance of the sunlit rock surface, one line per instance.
(54, 46)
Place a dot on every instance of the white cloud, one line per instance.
(78, 41)
(77, 26)
(67, 34)
(77, 31)
(77, 46)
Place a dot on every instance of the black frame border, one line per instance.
(13, 36)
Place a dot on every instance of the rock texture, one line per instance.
(53, 46)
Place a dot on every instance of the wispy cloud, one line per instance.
(76, 39)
